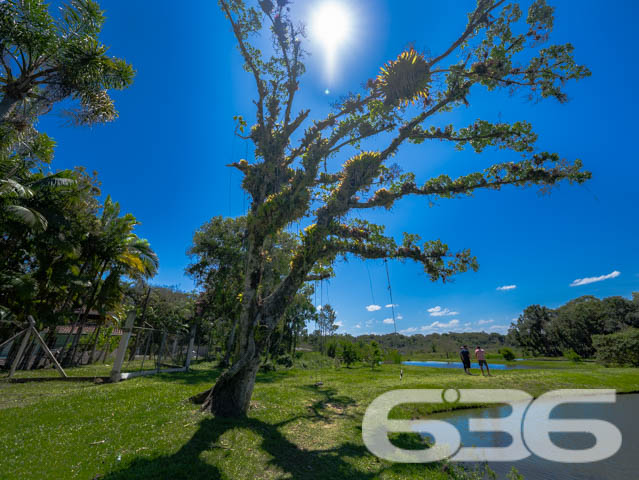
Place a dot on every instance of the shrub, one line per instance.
(572, 355)
(267, 367)
(621, 348)
(285, 360)
(393, 357)
(507, 353)
(331, 350)
(349, 354)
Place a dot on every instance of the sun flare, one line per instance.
(331, 27)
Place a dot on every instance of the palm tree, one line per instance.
(18, 185)
(119, 252)
(46, 59)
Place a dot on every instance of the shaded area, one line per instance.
(287, 459)
(287, 456)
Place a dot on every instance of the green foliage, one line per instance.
(572, 356)
(63, 251)
(620, 348)
(48, 58)
(375, 355)
(393, 356)
(350, 354)
(571, 327)
(507, 353)
(80, 260)
(219, 258)
(332, 349)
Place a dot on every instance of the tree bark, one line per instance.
(230, 343)
(95, 344)
(6, 107)
(231, 394)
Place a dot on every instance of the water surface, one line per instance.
(624, 465)
(495, 366)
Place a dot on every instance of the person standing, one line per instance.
(480, 354)
(464, 354)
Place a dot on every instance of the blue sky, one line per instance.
(164, 158)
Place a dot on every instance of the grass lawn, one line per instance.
(145, 429)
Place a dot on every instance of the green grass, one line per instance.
(145, 429)
(95, 370)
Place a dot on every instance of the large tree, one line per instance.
(219, 260)
(289, 181)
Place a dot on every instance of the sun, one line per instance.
(331, 27)
(331, 24)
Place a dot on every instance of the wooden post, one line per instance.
(44, 346)
(23, 345)
(158, 357)
(116, 372)
(189, 352)
(12, 338)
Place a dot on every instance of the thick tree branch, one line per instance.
(521, 173)
(239, 36)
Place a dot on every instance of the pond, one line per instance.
(495, 366)
(623, 465)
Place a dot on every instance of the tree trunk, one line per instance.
(95, 344)
(68, 359)
(6, 107)
(230, 343)
(295, 333)
(231, 394)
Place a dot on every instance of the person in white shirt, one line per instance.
(480, 354)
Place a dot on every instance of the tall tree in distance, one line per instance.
(500, 48)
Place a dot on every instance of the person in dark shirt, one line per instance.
(464, 354)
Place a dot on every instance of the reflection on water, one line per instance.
(494, 366)
(623, 465)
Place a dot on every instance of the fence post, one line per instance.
(23, 345)
(116, 372)
(189, 352)
(44, 346)
(158, 358)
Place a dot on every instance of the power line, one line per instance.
(390, 294)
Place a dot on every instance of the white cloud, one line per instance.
(388, 320)
(399, 317)
(359, 325)
(373, 308)
(319, 308)
(437, 325)
(505, 288)
(467, 324)
(441, 312)
(586, 281)
(339, 324)
(369, 322)
(391, 305)
(484, 322)
(499, 328)
(408, 330)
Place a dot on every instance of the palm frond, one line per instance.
(28, 216)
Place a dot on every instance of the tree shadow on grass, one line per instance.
(192, 377)
(285, 458)
(329, 404)
(293, 461)
(271, 377)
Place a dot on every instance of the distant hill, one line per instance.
(436, 343)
